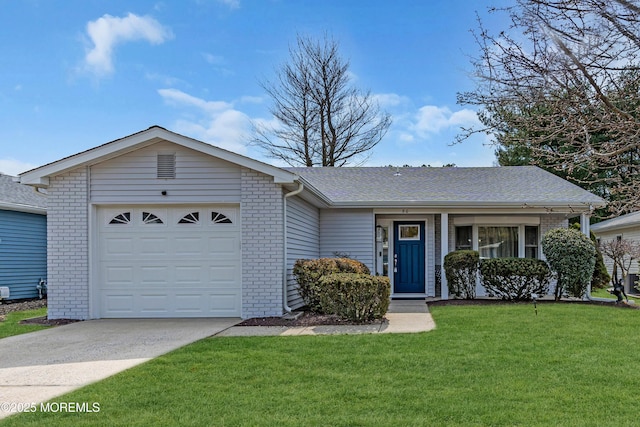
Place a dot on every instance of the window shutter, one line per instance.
(166, 166)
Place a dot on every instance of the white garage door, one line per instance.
(160, 261)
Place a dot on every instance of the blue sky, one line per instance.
(77, 76)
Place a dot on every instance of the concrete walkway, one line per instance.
(403, 316)
(39, 366)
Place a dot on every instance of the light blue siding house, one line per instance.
(23, 238)
(157, 224)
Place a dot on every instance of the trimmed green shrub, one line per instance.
(355, 297)
(601, 277)
(461, 270)
(572, 257)
(515, 279)
(309, 271)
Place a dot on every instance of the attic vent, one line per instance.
(166, 166)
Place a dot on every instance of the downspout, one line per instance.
(285, 302)
(586, 230)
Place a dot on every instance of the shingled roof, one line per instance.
(19, 197)
(428, 186)
(629, 220)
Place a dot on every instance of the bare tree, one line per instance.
(562, 84)
(622, 253)
(322, 120)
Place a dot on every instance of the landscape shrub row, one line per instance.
(342, 286)
(514, 279)
(571, 257)
(309, 271)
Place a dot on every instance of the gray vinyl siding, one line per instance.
(23, 252)
(303, 241)
(348, 231)
(131, 178)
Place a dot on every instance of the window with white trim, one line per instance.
(499, 241)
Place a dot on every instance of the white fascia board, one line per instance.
(22, 208)
(522, 207)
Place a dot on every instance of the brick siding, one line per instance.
(68, 247)
(262, 245)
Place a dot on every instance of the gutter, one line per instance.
(285, 302)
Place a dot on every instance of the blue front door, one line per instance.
(408, 257)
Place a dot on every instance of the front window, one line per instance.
(530, 242)
(498, 242)
(464, 238)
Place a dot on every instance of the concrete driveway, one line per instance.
(41, 365)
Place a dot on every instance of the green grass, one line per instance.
(11, 325)
(569, 365)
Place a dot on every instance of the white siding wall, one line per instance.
(132, 178)
(349, 231)
(627, 234)
(68, 246)
(303, 241)
(262, 245)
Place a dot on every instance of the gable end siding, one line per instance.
(133, 178)
(303, 241)
(68, 246)
(349, 231)
(23, 252)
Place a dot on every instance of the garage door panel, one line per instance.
(153, 275)
(152, 246)
(188, 246)
(118, 246)
(225, 246)
(171, 269)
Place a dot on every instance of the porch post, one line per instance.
(444, 250)
(584, 224)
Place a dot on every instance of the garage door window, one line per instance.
(123, 218)
(218, 218)
(149, 218)
(190, 218)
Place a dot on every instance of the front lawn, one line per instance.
(11, 324)
(571, 364)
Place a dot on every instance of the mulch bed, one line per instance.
(306, 319)
(9, 306)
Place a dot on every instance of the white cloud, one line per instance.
(233, 4)
(432, 119)
(214, 59)
(14, 167)
(386, 100)
(109, 31)
(219, 123)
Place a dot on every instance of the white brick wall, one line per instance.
(67, 247)
(262, 245)
(549, 222)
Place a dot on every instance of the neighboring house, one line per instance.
(160, 225)
(23, 238)
(625, 227)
